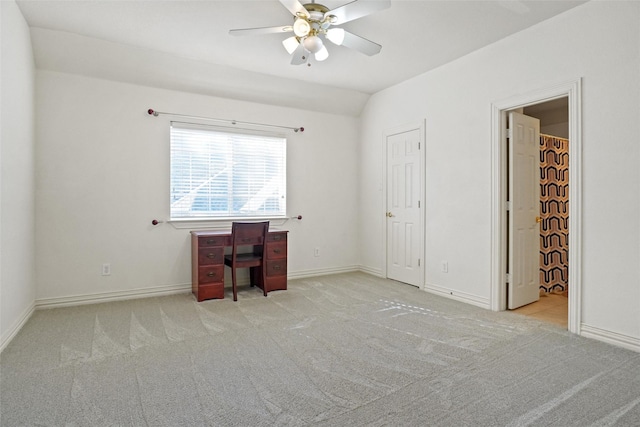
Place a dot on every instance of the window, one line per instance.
(220, 174)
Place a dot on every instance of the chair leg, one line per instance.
(233, 284)
(263, 268)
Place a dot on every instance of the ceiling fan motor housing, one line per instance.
(317, 8)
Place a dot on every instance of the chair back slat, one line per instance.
(248, 233)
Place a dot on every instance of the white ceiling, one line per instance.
(185, 45)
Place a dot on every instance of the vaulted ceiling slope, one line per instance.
(185, 45)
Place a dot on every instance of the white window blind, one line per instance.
(226, 175)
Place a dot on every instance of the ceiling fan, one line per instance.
(313, 23)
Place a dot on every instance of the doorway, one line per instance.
(571, 91)
(550, 181)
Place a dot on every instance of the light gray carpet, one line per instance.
(342, 350)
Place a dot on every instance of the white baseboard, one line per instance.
(321, 272)
(112, 296)
(164, 290)
(15, 328)
(458, 296)
(609, 337)
(369, 270)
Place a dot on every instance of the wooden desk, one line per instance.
(207, 263)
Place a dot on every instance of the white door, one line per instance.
(404, 226)
(524, 212)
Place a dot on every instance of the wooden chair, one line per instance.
(248, 234)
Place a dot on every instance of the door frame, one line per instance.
(421, 126)
(499, 179)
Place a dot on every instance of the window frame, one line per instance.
(189, 221)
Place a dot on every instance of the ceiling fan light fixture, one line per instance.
(312, 22)
(291, 44)
(322, 54)
(301, 27)
(336, 35)
(313, 44)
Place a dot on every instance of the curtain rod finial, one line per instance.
(151, 112)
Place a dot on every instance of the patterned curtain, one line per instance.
(554, 209)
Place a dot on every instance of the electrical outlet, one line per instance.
(106, 269)
(445, 266)
(316, 252)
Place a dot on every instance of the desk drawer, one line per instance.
(211, 256)
(276, 237)
(277, 250)
(277, 267)
(206, 241)
(210, 274)
(206, 292)
(277, 283)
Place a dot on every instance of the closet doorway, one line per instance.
(556, 278)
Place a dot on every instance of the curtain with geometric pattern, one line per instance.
(554, 210)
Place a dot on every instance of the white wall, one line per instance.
(598, 42)
(17, 278)
(103, 175)
(102, 170)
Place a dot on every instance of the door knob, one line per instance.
(390, 215)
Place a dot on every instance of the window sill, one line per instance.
(224, 224)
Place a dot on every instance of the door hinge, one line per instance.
(508, 278)
(509, 133)
(418, 145)
(509, 206)
(418, 203)
(418, 262)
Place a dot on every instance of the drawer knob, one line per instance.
(210, 242)
(211, 274)
(211, 256)
(276, 267)
(276, 251)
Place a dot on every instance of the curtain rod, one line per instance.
(155, 113)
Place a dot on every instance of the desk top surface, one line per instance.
(199, 233)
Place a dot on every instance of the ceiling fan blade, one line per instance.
(357, 9)
(360, 44)
(300, 55)
(261, 30)
(295, 7)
